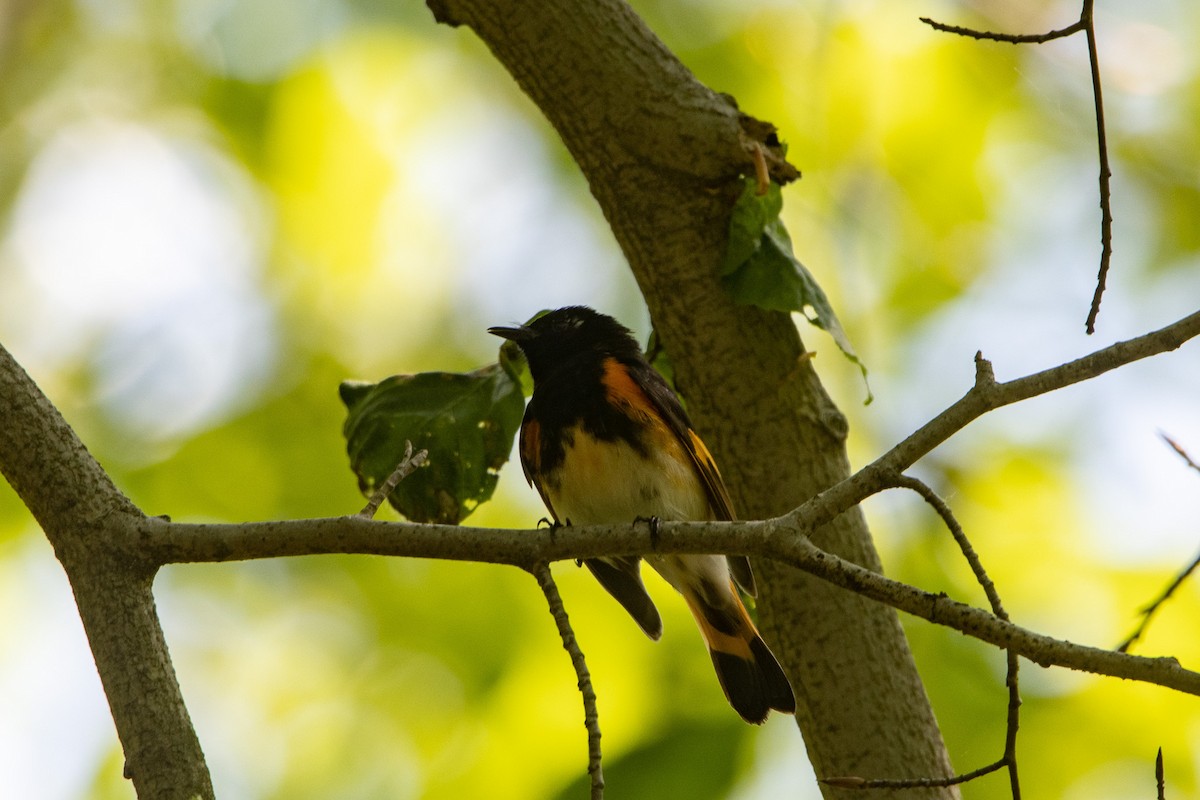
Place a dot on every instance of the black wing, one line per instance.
(672, 412)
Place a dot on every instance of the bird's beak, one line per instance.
(519, 334)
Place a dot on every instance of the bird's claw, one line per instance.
(653, 522)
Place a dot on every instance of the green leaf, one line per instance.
(466, 421)
(760, 268)
(751, 215)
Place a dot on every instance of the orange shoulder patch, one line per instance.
(623, 390)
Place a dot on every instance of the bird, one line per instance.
(605, 440)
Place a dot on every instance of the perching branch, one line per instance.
(1087, 24)
(783, 538)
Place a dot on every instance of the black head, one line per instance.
(561, 335)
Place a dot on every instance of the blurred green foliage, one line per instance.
(383, 194)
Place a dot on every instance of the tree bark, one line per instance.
(88, 522)
(662, 155)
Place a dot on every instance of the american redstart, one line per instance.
(605, 440)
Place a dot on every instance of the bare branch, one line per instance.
(1150, 609)
(964, 544)
(851, 782)
(783, 539)
(1012, 723)
(591, 715)
(1010, 38)
(987, 395)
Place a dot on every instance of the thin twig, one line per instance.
(944, 511)
(1012, 665)
(1009, 758)
(591, 716)
(850, 782)
(1106, 219)
(1010, 38)
(1160, 776)
(1087, 24)
(405, 468)
(1012, 723)
(1151, 608)
(1174, 445)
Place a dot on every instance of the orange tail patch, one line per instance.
(750, 675)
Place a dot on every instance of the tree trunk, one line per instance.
(663, 154)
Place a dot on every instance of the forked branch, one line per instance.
(1087, 24)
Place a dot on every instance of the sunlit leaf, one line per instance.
(748, 222)
(466, 421)
(760, 268)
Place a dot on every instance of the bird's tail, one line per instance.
(749, 673)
